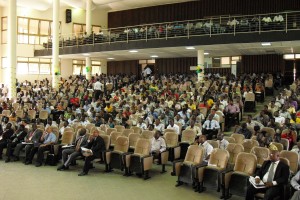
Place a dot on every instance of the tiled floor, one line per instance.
(18, 181)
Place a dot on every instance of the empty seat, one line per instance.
(140, 161)
(236, 181)
(239, 138)
(137, 129)
(229, 139)
(119, 128)
(211, 174)
(116, 159)
(233, 150)
(249, 144)
(110, 130)
(127, 132)
(133, 137)
(171, 139)
(293, 158)
(215, 144)
(186, 170)
(147, 134)
(113, 137)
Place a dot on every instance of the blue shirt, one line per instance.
(50, 137)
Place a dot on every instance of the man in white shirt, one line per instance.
(159, 126)
(97, 89)
(279, 119)
(158, 145)
(210, 127)
(222, 142)
(173, 126)
(141, 124)
(194, 128)
(206, 146)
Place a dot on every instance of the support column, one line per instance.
(55, 45)
(12, 47)
(200, 64)
(88, 67)
(88, 17)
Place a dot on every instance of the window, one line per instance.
(33, 66)
(79, 67)
(4, 30)
(79, 29)
(45, 28)
(22, 68)
(4, 62)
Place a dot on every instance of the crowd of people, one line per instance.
(213, 25)
(155, 103)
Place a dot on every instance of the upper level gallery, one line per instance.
(270, 27)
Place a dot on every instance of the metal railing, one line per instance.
(284, 21)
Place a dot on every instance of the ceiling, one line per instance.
(285, 47)
(110, 5)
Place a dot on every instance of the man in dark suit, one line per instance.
(69, 155)
(16, 138)
(33, 136)
(5, 136)
(274, 174)
(95, 147)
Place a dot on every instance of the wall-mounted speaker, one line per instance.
(68, 15)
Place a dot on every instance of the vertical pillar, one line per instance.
(12, 47)
(88, 64)
(200, 63)
(88, 17)
(55, 45)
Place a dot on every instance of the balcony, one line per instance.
(271, 27)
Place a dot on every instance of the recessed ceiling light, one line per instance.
(133, 51)
(154, 56)
(110, 58)
(206, 53)
(265, 44)
(217, 58)
(190, 48)
(86, 54)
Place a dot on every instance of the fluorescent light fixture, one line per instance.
(217, 58)
(110, 58)
(133, 51)
(206, 53)
(154, 56)
(265, 44)
(190, 48)
(86, 54)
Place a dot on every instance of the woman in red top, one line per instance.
(291, 136)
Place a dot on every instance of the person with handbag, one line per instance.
(92, 150)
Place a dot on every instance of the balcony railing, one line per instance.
(232, 25)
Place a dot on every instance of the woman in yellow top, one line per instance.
(108, 108)
(192, 105)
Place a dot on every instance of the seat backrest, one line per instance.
(68, 129)
(171, 139)
(43, 114)
(249, 144)
(126, 132)
(293, 159)
(110, 130)
(233, 150)
(279, 146)
(89, 127)
(250, 97)
(246, 163)
(285, 161)
(188, 136)
(229, 139)
(147, 134)
(122, 144)
(6, 113)
(32, 114)
(285, 143)
(219, 158)
(270, 131)
(119, 128)
(194, 155)
(67, 137)
(262, 154)
(133, 137)
(113, 137)
(142, 147)
(170, 130)
(20, 113)
(180, 127)
(213, 143)
(137, 129)
(106, 139)
(203, 110)
(239, 138)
